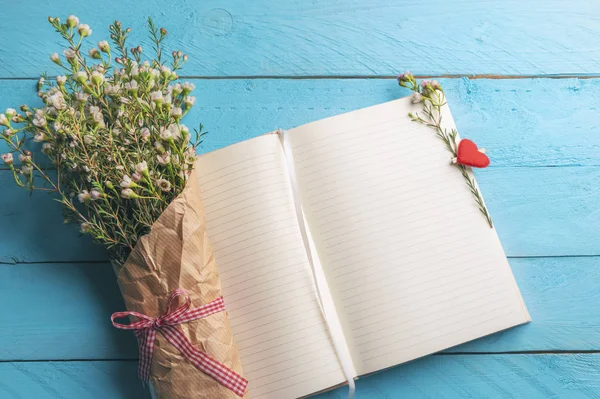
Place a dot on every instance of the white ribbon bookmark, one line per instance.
(323, 293)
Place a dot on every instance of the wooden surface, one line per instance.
(267, 64)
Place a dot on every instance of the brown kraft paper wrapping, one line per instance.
(178, 254)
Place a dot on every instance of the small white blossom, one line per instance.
(164, 159)
(131, 86)
(165, 71)
(57, 100)
(7, 158)
(142, 168)
(39, 137)
(417, 97)
(157, 97)
(84, 30)
(176, 112)
(111, 89)
(55, 58)
(10, 112)
(127, 182)
(80, 76)
(61, 80)
(24, 158)
(87, 139)
(188, 87)
(104, 46)
(164, 185)
(95, 194)
(97, 78)
(145, 133)
(27, 170)
(136, 177)
(70, 54)
(128, 193)
(39, 121)
(3, 120)
(72, 21)
(84, 196)
(82, 97)
(85, 228)
(189, 101)
(176, 89)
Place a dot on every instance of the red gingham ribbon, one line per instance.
(145, 330)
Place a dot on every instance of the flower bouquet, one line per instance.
(121, 163)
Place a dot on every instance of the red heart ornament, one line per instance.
(469, 155)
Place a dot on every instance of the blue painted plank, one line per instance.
(521, 122)
(71, 380)
(62, 311)
(537, 212)
(434, 377)
(348, 37)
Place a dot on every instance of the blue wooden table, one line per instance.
(520, 77)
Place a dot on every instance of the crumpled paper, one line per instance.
(178, 254)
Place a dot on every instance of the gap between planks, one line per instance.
(334, 77)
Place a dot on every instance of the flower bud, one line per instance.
(55, 58)
(97, 78)
(104, 46)
(72, 21)
(157, 97)
(84, 30)
(95, 194)
(10, 112)
(61, 80)
(142, 168)
(4, 120)
(51, 20)
(85, 228)
(129, 194)
(163, 31)
(145, 133)
(94, 53)
(109, 185)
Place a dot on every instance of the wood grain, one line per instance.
(435, 377)
(349, 37)
(63, 311)
(533, 122)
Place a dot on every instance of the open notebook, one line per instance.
(411, 266)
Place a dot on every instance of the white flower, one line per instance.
(95, 194)
(55, 58)
(159, 147)
(154, 73)
(10, 112)
(80, 76)
(145, 133)
(83, 97)
(176, 89)
(136, 177)
(142, 168)
(165, 71)
(26, 170)
(94, 53)
(46, 148)
(24, 158)
(7, 158)
(128, 193)
(187, 87)
(57, 126)
(111, 90)
(57, 100)
(176, 112)
(85, 228)
(3, 120)
(157, 97)
(97, 78)
(84, 30)
(94, 109)
(135, 72)
(70, 54)
(131, 86)
(84, 196)
(417, 97)
(39, 121)
(72, 21)
(61, 80)
(164, 185)
(39, 136)
(87, 139)
(189, 101)
(127, 182)
(98, 118)
(185, 132)
(104, 46)
(164, 158)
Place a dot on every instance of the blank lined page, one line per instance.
(413, 265)
(267, 283)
